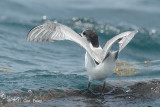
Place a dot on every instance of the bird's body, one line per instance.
(99, 62)
(102, 70)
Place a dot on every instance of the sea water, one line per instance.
(58, 68)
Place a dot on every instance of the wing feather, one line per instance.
(50, 31)
(123, 39)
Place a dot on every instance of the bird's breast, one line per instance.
(101, 71)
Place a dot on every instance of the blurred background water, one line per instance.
(28, 65)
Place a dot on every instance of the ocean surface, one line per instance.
(53, 74)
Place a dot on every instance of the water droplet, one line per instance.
(102, 31)
(44, 17)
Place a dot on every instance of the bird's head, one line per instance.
(91, 37)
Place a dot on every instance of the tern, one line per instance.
(99, 62)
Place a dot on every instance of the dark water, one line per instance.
(60, 65)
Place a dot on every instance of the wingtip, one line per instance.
(28, 39)
(136, 31)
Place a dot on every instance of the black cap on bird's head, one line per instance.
(91, 37)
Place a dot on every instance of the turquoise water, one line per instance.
(28, 65)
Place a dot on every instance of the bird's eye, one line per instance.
(84, 33)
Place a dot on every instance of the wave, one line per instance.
(145, 43)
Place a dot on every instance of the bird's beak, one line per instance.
(80, 34)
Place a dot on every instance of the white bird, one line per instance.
(100, 63)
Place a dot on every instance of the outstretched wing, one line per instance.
(123, 39)
(50, 31)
